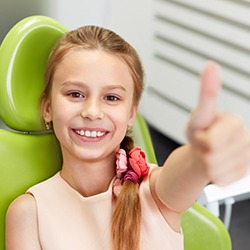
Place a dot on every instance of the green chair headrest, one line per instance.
(23, 58)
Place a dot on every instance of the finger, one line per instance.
(204, 113)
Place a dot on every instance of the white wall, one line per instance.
(75, 13)
(133, 20)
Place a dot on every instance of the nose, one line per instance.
(92, 109)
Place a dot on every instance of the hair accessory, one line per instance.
(132, 167)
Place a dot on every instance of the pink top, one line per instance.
(67, 220)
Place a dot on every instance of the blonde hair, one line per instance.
(127, 211)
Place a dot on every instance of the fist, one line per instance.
(220, 142)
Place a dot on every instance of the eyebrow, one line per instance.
(111, 87)
(76, 83)
(82, 84)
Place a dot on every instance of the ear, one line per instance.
(47, 114)
(133, 113)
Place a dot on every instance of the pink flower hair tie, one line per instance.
(132, 167)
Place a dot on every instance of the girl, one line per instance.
(106, 196)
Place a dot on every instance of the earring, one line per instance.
(129, 130)
(47, 125)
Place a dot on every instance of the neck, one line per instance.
(89, 178)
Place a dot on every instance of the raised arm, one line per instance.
(219, 150)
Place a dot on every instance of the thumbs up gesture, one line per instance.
(220, 142)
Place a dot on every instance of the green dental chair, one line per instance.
(29, 154)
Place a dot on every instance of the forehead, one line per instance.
(94, 64)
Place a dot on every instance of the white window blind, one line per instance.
(187, 33)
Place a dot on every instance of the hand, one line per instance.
(221, 143)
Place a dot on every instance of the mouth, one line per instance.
(90, 134)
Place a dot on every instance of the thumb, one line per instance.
(204, 114)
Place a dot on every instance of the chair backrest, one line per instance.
(28, 155)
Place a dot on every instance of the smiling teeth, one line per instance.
(92, 134)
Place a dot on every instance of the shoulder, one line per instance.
(21, 223)
(24, 205)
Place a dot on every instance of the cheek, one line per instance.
(58, 122)
(122, 120)
(60, 109)
(60, 116)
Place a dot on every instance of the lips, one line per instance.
(90, 134)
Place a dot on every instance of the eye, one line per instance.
(112, 98)
(75, 94)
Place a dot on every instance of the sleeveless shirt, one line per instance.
(67, 220)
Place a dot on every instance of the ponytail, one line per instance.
(126, 219)
(127, 211)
